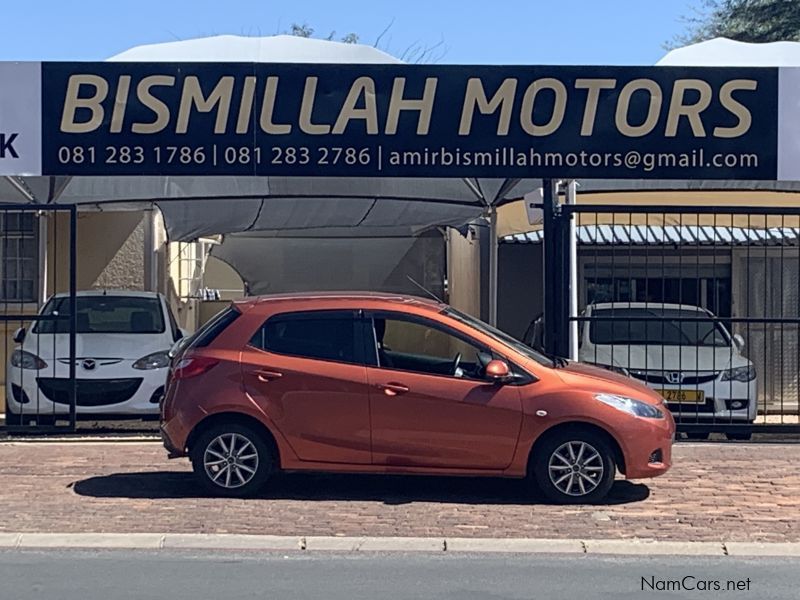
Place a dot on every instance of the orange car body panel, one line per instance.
(330, 416)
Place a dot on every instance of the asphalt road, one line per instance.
(108, 575)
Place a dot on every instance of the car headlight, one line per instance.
(634, 407)
(156, 360)
(26, 360)
(743, 374)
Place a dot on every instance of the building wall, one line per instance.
(110, 250)
(466, 271)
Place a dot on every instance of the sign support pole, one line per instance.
(493, 265)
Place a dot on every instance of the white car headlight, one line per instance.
(26, 360)
(156, 360)
(743, 374)
(634, 407)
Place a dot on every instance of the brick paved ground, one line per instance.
(715, 492)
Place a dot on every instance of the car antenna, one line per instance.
(424, 289)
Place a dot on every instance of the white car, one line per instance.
(122, 344)
(694, 363)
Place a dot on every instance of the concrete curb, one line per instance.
(226, 541)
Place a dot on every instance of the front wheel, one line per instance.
(574, 467)
(231, 460)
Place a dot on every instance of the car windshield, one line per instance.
(500, 336)
(105, 314)
(656, 326)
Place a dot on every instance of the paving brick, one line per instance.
(714, 493)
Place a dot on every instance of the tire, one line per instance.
(550, 466)
(15, 419)
(235, 481)
(697, 435)
(739, 435)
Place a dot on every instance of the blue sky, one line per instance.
(492, 32)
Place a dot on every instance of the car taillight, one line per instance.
(192, 366)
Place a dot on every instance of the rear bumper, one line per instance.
(169, 445)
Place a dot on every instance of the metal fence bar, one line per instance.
(720, 272)
(32, 418)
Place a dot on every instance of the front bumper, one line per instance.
(647, 446)
(117, 390)
(721, 401)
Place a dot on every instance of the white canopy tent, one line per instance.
(719, 52)
(354, 206)
(275, 206)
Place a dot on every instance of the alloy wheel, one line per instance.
(576, 468)
(230, 460)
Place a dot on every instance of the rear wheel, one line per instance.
(231, 459)
(574, 467)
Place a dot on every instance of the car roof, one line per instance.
(650, 305)
(344, 298)
(115, 293)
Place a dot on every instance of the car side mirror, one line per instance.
(19, 335)
(498, 371)
(739, 341)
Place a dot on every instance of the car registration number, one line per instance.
(683, 396)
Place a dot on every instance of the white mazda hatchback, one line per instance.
(122, 344)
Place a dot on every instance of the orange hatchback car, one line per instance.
(379, 383)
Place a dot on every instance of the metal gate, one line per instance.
(701, 304)
(38, 259)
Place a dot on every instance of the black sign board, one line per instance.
(409, 120)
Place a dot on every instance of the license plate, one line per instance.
(683, 396)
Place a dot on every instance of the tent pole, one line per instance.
(573, 273)
(493, 260)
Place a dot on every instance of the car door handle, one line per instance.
(392, 389)
(266, 375)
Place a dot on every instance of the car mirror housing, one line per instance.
(19, 335)
(498, 371)
(738, 340)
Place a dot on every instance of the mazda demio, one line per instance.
(380, 383)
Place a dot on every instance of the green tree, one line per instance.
(417, 52)
(306, 31)
(742, 20)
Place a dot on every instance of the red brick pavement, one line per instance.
(714, 492)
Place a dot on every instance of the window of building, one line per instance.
(19, 257)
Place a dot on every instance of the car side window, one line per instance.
(420, 346)
(325, 335)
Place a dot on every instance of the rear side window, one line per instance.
(213, 327)
(326, 335)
